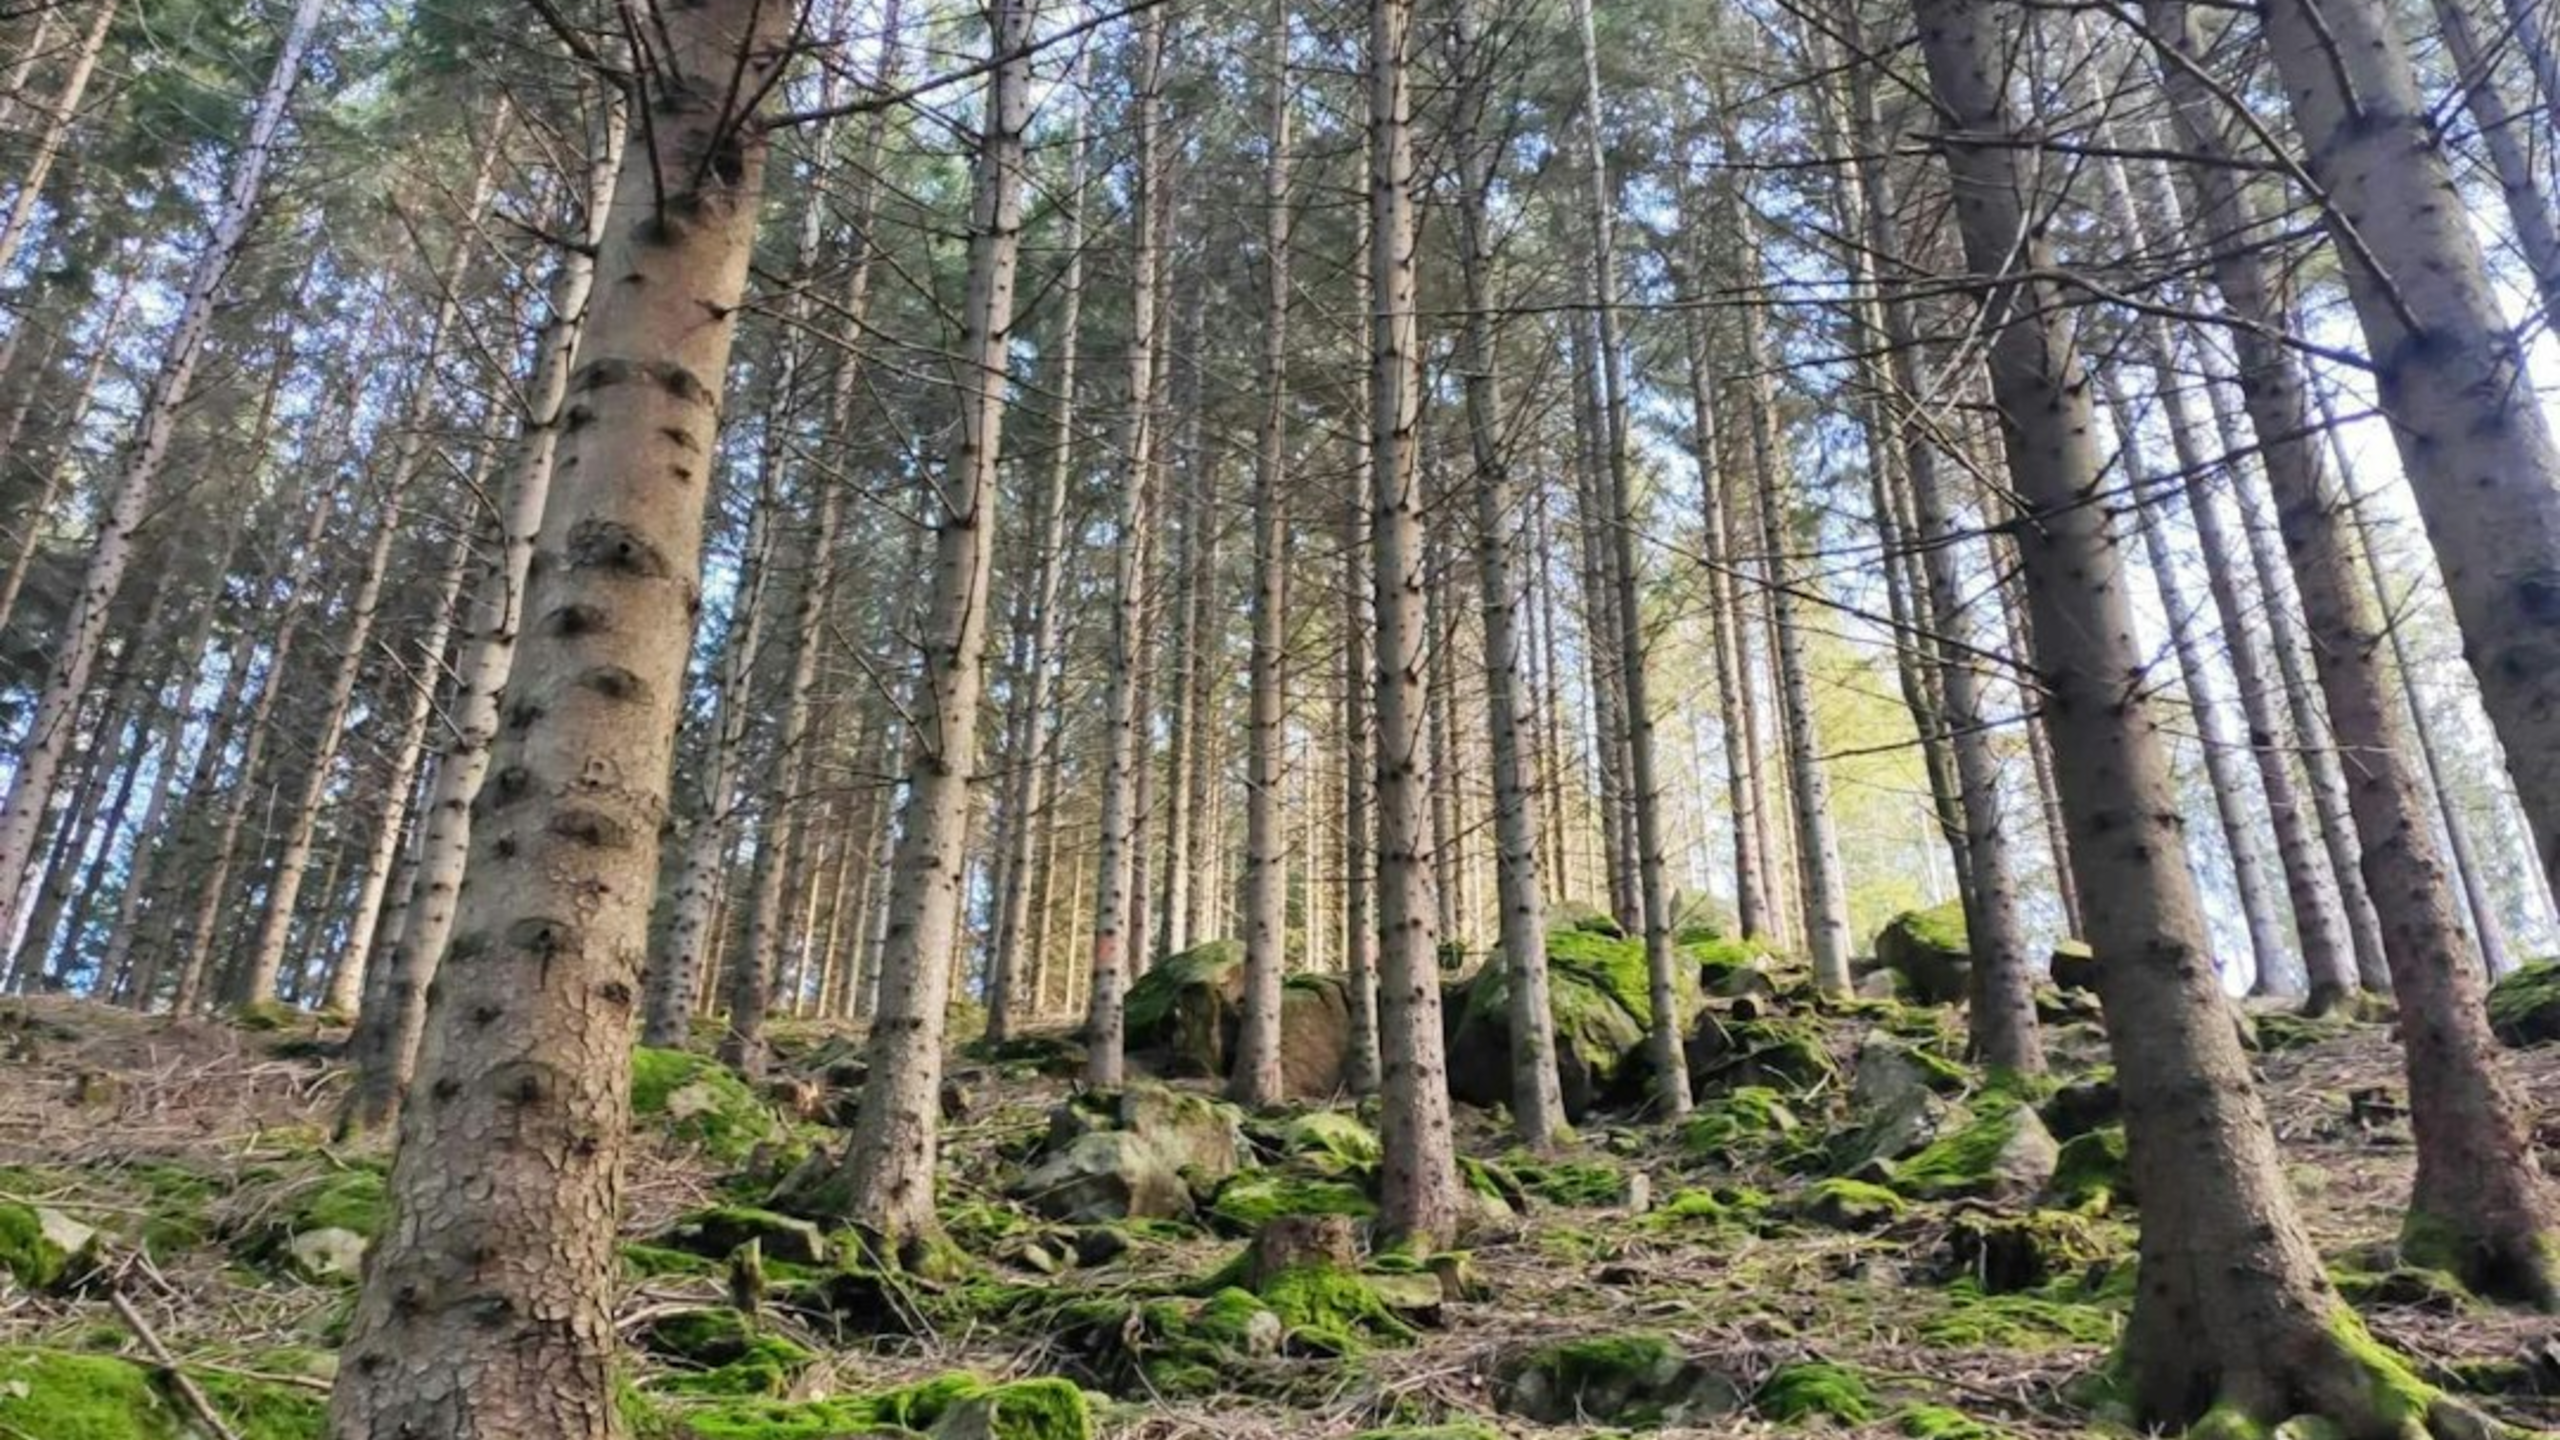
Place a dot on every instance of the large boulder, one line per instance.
(1315, 1036)
(1599, 991)
(1188, 1009)
(1143, 1152)
(1929, 950)
(1895, 1098)
(2524, 1008)
(2074, 967)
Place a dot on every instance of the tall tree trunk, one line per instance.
(1418, 1191)
(1537, 1099)
(2234, 1309)
(2488, 931)
(885, 1186)
(1123, 750)
(2479, 456)
(487, 1305)
(1825, 893)
(2508, 143)
(384, 1047)
(1040, 755)
(58, 472)
(1257, 1080)
(129, 499)
(2480, 1206)
(2222, 753)
(191, 940)
(2002, 1014)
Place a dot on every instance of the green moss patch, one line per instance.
(695, 1101)
(1043, 1409)
(2524, 1008)
(1749, 1119)
(720, 1352)
(1940, 1422)
(1333, 1311)
(62, 1395)
(2090, 1173)
(1845, 1204)
(39, 1247)
(1574, 1184)
(1975, 1320)
(1247, 1202)
(1815, 1390)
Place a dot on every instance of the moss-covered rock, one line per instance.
(695, 1101)
(1446, 1430)
(2073, 968)
(1173, 1346)
(1573, 1184)
(1727, 1052)
(1143, 1151)
(1930, 951)
(1815, 1390)
(1845, 1204)
(1332, 1310)
(2524, 1008)
(1249, 1200)
(2002, 1151)
(41, 1247)
(1584, 916)
(951, 1407)
(1719, 1205)
(1749, 1119)
(717, 1231)
(1330, 1141)
(1599, 989)
(2005, 1253)
(1185, 1008)
(2090, 1173)
(1636, 1379)
(719, 1352)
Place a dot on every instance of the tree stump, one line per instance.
(1291, 1242)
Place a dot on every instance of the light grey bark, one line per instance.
(1418, 1192)
(384, 1047)
(887, 1179)
(1105, 1026)
(1537, 1101)
(1824, 892)
(487, 1306)
(1257, 1078)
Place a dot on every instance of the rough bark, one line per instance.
(2481, 1206)
(2479, 455)
(487, 1305)
(1257, 1079)
(887, 1178)
(2234, 1308)
(1105, 1027)
(1418, 1192)
(384, 1047)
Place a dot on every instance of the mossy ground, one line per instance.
(1726, 1269)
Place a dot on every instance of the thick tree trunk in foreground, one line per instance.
(129, 501)
(384, 1048)
(487, 1306)
(2234, 1308)
(1418, 1191)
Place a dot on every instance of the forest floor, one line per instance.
(196, 1149)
